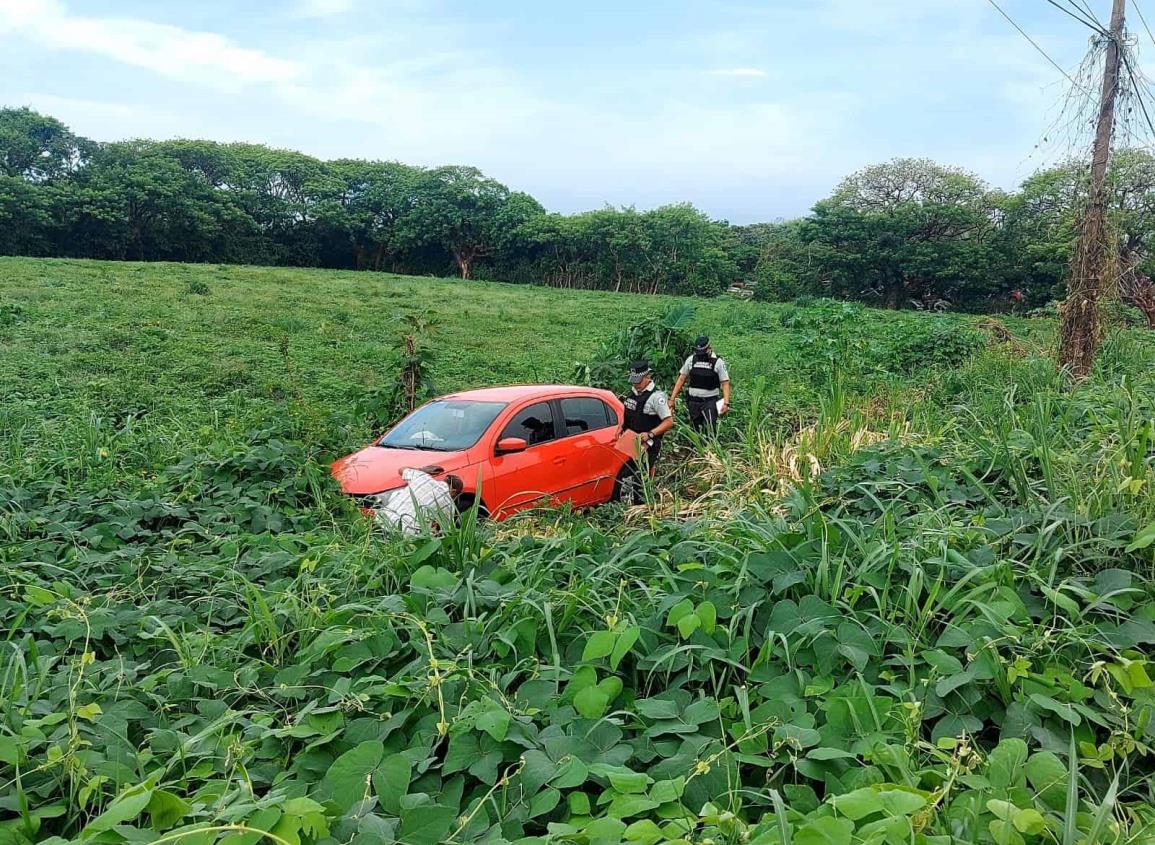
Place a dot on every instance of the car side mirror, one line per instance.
(508, 445)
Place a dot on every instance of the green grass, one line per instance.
(907, 597)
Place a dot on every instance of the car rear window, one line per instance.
(585, 413)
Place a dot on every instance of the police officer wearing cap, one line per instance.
(709, 391)
(647, 412)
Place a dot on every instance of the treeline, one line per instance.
(908, 233)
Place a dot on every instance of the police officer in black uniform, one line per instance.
(648, 412)
(709, 382)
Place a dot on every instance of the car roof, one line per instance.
(517, 392)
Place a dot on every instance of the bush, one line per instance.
(924, 344)
(663, 340)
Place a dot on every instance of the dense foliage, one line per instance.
(937, 635)
(909, 233)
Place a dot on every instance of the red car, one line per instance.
(513, 447)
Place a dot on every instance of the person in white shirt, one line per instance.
(424, 503)
(648, 413)
(709, 391)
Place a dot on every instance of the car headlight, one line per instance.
(386, 498)
(378, 501)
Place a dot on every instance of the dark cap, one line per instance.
(638, 371)
(702, 343)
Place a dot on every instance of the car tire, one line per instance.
(466, 503)
(628, 486)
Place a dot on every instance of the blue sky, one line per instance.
(750, 110)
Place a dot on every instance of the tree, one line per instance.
(366, 202)
(907, 230)
(1041, 224)
(135, 200)
(686, 252)
(460, 209)
(37, 148)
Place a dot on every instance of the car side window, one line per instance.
(584, 413)
(533, 424)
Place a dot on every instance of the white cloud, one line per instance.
(167, 50)
(740, 71)
(408, 80)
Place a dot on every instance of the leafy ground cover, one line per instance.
(908, 596)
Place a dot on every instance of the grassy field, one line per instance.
(906, 597)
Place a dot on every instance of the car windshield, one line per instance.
(447, 425)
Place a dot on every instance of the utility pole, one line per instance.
(1082, 324)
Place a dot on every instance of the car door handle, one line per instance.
(559, 461)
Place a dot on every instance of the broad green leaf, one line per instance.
(1047, 775)
(825, 831)
(494, 722)
(611, 686)
(628, 782)
(544, 802)
(391, 782)
(708, 616)
(644, 832)
(1006, 764)
(579, 803)
(1145, 538)
(10, 748)
(433, 578)
(1064, 711)
(591, 702)
(1004, 832)
(624, 643)
(125, 807)
(464, 751)
(348, 779)
(946, 686)
(538, 771)
(1002, 809)
(680, 610)
(688, 624)
(864, 802)
(1029, 821)
(624, 806)
(599, 645)
(666, 791)
(425, 824)
(166, 809)
(701, 711)
(572, 772)
(823, 754)
(38, 596)
(605, 831)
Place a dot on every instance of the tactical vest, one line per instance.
(704, 376)
(636, 417)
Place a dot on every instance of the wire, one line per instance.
(1085, 6)
(1138, 91)
(1135, 6)
(1078, 15)
(1041, 51)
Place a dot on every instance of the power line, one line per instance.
(1041, 51)
(1077, 13)
(1138, 92)
(1085, 6)
(1135, 6)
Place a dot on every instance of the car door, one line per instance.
(537, 475)
(590, 429)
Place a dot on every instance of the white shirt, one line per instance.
(697, 393)
(422, 502)
(657, 404)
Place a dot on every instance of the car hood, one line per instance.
(375, 468)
